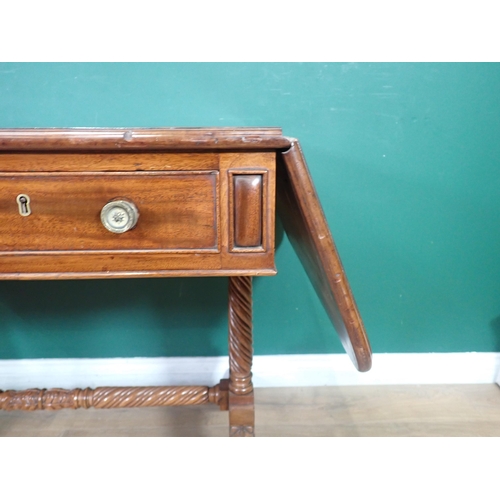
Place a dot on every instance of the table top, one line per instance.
(128, 139)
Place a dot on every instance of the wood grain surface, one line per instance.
(304, 221)
(177, 211)
(174, 139)
(106, 162)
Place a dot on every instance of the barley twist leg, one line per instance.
(241, 396)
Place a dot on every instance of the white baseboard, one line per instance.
(268, 371)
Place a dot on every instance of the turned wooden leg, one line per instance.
(241, 398)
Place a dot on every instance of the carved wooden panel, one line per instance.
(247, 193)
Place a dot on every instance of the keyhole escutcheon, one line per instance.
(23, 202)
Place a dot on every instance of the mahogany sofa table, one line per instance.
(123, 203)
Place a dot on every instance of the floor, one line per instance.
(425, 410)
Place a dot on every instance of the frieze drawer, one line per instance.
(176, 211)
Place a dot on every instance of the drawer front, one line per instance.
(177, 212)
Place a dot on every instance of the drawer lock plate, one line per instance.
(23, 202)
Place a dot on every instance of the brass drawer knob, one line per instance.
(119, 215)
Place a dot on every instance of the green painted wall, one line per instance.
(406, 161)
